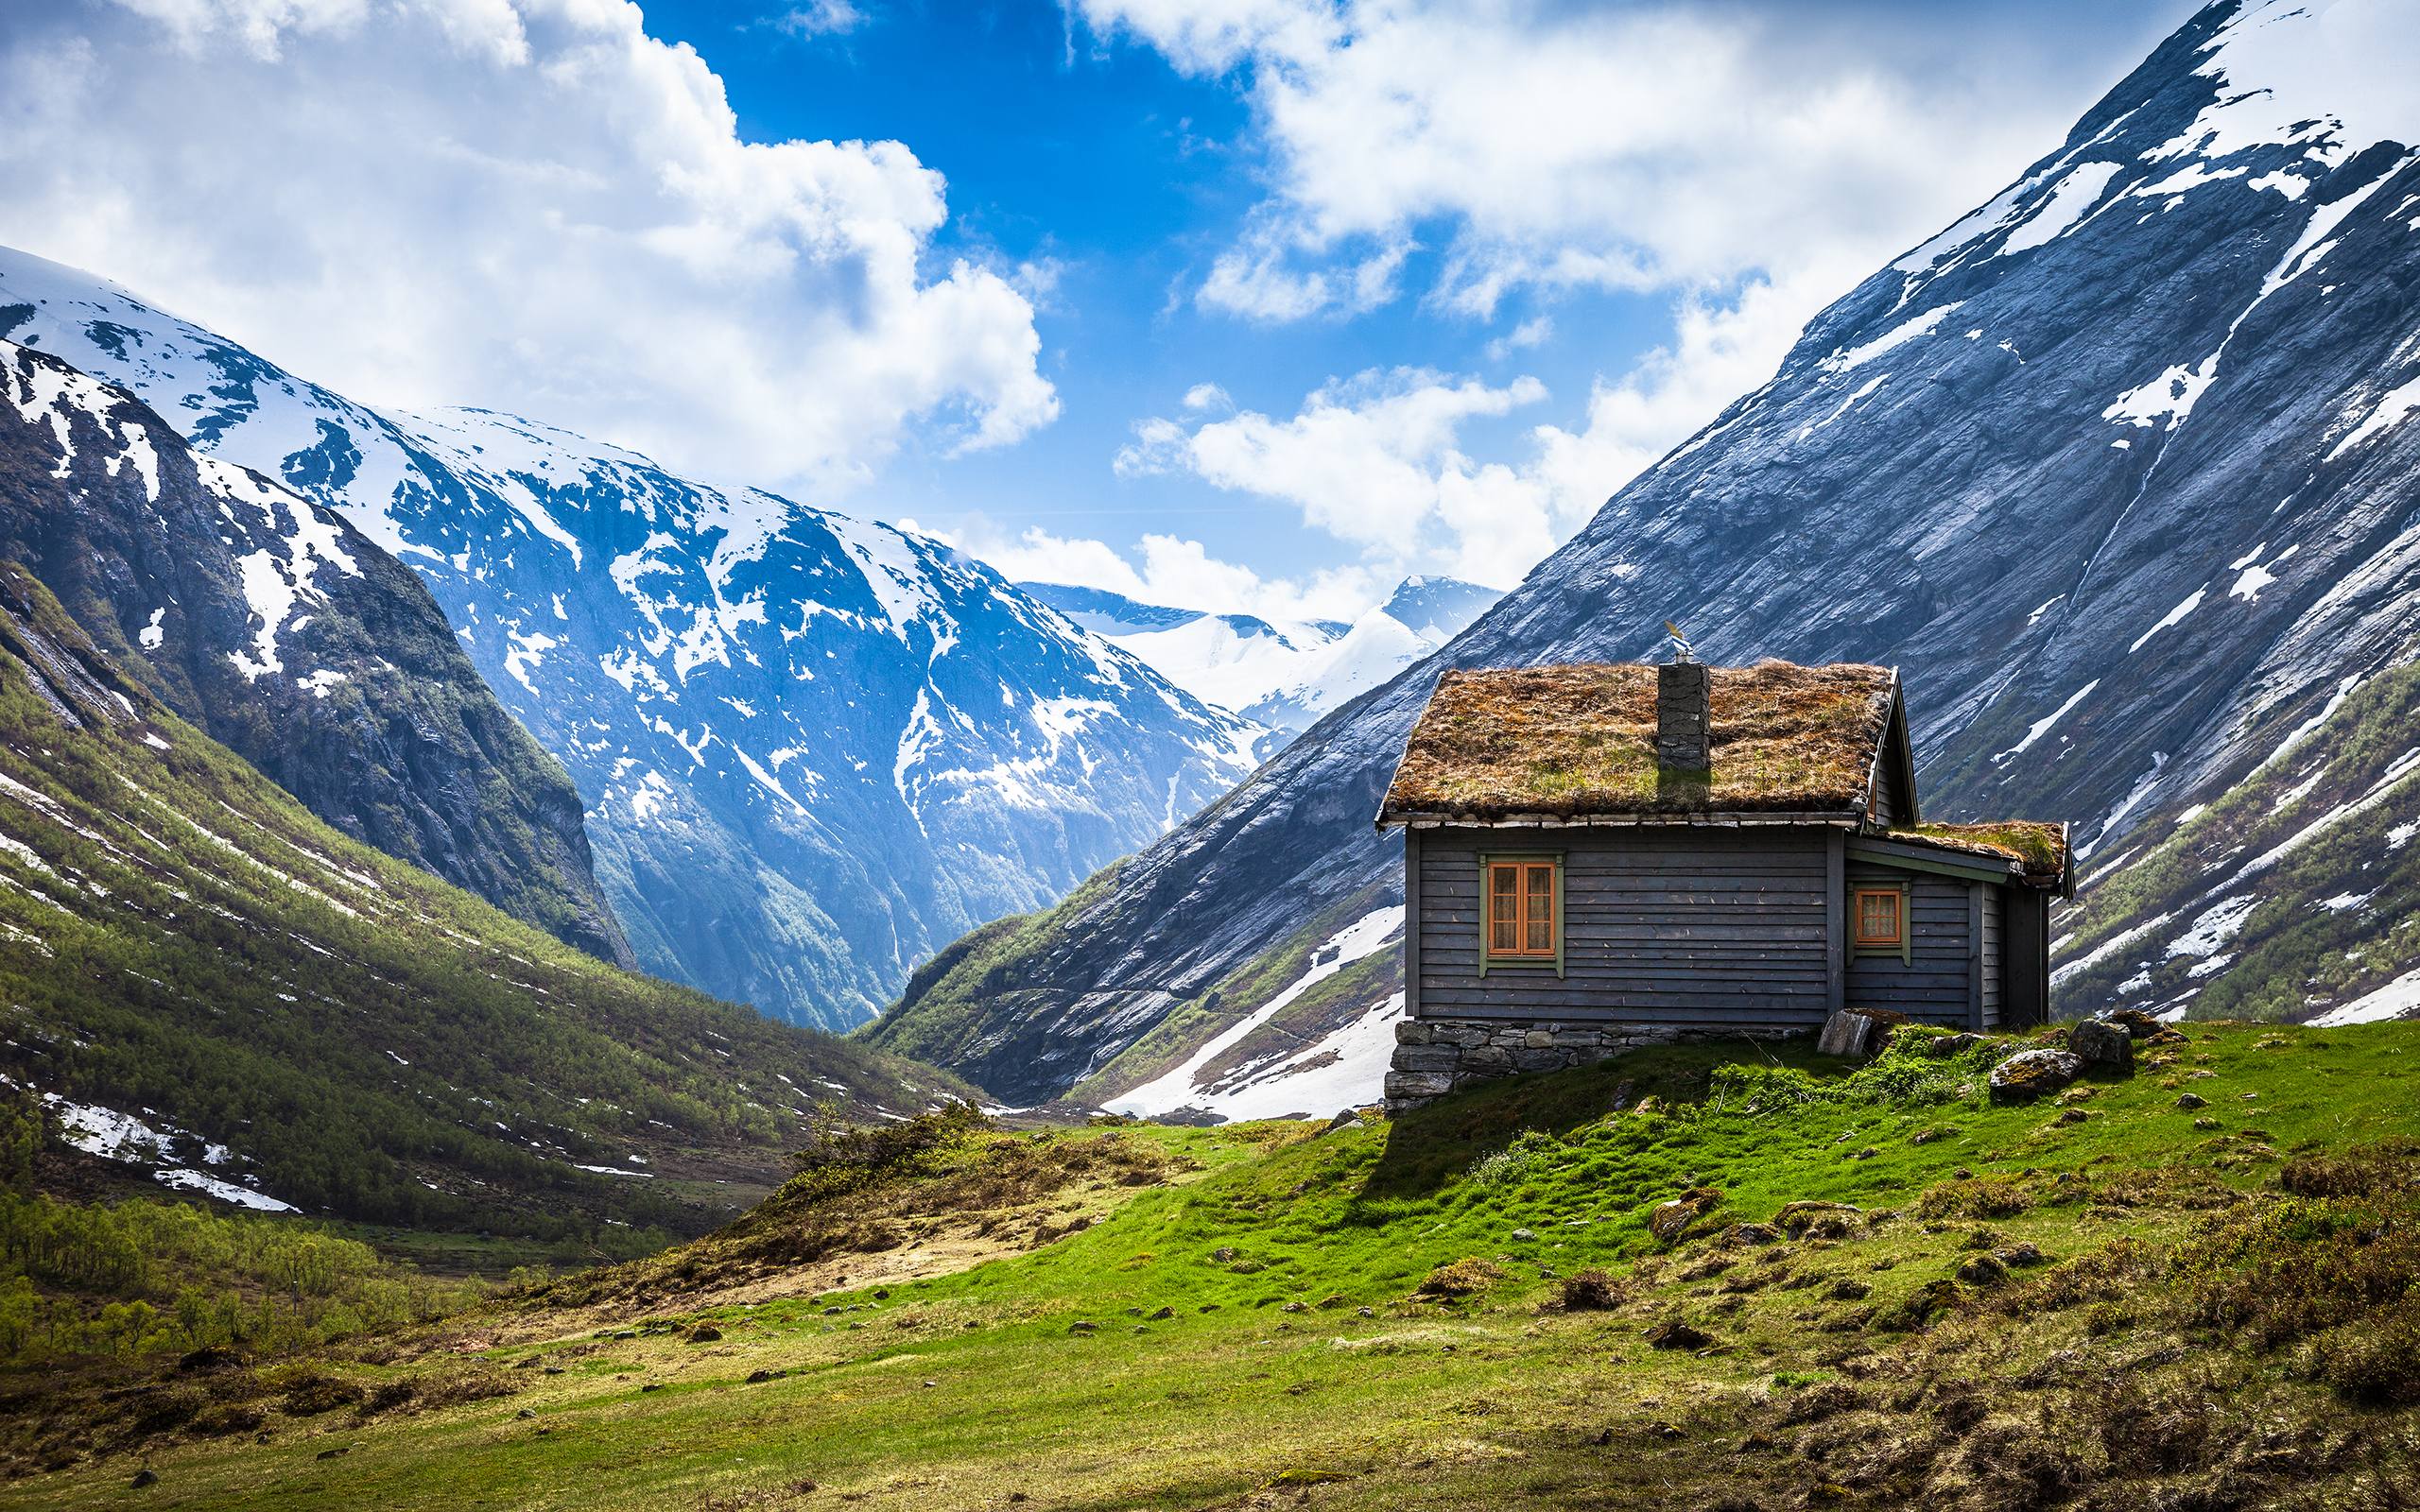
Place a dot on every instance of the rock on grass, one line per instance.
(2034, 1074)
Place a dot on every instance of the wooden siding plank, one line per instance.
(1411, 929)
(1975, 956)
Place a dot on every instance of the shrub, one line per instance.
(1462, 1277)
(2378, 1362)
(1987, 1197)
(1517, 1160)
(849, 1156)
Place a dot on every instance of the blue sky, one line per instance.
(1243, 303)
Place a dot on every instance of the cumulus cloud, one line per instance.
(1375, 461)
(1634, 148)
(1171, 571)
(1380, 461)
(528, 204)
(822, 18)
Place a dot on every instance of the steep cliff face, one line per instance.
(268, 621)
(2115, 470)
(816, 748)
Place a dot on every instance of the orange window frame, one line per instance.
(1865, 940)
(1522, 901)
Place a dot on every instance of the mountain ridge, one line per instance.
(814, 749)
(292, 639)
(217, 991)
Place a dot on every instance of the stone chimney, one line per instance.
(1683, 697)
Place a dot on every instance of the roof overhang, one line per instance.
(1761, 818)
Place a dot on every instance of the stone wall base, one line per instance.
(1434, 1057)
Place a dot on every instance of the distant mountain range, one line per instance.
(1286, 675)
(814, 749)
(228, 998)
(2119, 470)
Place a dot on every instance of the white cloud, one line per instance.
(1634, 148)
(1378, 461)
(822, 18)
(1534, 332)
(526, 203)
(1178, 573)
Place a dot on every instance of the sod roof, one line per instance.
(1579, 740)
(2038, 846)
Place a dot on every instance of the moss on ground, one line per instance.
(1895, 1294)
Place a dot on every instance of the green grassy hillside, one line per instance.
(264, 1008)
(1693, 1278)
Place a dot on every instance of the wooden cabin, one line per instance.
(1601, 856)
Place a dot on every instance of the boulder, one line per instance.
(2031, 1073)
(2138, 1024)
(2102, 1043)
(1845, 1034)
(1407, 1086)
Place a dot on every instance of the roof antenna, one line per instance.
(1681, 651)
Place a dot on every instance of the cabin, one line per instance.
(1598, 857)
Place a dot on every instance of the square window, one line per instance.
(1523, 919)
(1881, 914)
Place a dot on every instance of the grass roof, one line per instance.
(2039, 846)
(1580, 739)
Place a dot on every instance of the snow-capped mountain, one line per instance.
(814, 749)
(2120, 469)
(1285, 675)
(270, 623)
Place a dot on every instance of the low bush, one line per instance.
(1462, 1277)
(1989, 1196)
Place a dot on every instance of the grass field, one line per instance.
(2108, 1300)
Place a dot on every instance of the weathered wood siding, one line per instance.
(1686, 927)
(1937, 983)
(1995, 953)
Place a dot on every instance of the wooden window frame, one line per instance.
(1490, 959)
(1904, 946)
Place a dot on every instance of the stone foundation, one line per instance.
(1434, 1057)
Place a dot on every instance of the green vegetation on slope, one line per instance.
(951, 1001)
(2192, 1288)
(2302, 879)
(79, 1280)
(185, 942)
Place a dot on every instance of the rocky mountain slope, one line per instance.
(209, 984)
(270, 623)
(1284, 676)
(815, 749)
(2115, 470)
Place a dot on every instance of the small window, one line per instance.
(1881, 919)
(1522, 916)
